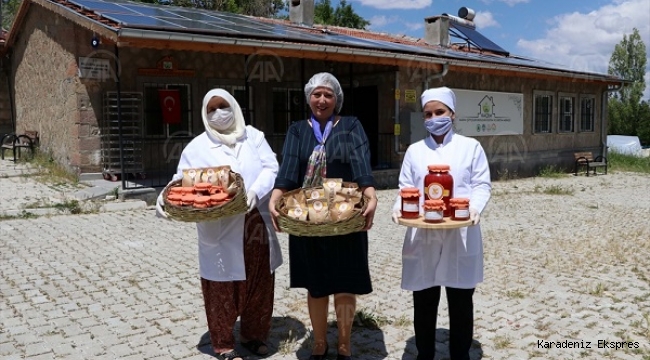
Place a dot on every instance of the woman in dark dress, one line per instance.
(332, 146)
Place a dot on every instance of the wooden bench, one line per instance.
(15, 143)
(586, 160)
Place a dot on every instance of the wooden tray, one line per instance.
(446, 224)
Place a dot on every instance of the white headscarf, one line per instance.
(443, 94)
(238, 127)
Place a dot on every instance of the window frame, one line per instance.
(165, 83)
(288, 111)
(550, 115)
(592, 121)
(561, 113)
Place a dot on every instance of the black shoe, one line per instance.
(343, 357)
(320, 357)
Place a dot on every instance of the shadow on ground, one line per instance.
(442, 347)
(285, 331)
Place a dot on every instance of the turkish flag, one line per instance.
(170, 104)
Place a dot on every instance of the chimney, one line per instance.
(301, 12)
(436, 30)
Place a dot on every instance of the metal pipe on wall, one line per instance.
(604, 117)
(119, 116)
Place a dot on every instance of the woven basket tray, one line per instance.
(297, 227)
(191, 214)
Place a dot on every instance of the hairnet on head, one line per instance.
(329, 81)
(443, 94)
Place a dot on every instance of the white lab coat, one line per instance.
(452, 257)
(221, 244)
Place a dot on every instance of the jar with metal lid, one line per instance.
(434, 211)
(439, 185)
(460, 208)
(410, 203)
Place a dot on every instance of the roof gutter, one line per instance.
(131, 37)
(327, 52)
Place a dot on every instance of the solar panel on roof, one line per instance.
(141, 21)
(100, 6)
(151, 11)
(475, 38)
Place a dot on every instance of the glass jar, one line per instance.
(410, 203)
(460, 208)
(439, 185)
(434, 211)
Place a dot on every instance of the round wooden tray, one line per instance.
(446, 224)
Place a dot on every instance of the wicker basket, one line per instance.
(191, 214)
(297, 227)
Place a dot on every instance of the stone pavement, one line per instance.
(124, 285)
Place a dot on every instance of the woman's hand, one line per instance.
(276, 194)
(369, 214)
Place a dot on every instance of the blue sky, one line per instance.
(576, 33)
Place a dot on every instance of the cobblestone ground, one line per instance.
(563, 262)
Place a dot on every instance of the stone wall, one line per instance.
(49, 95)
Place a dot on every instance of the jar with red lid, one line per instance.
(439, 185)
(434, 211)
(460, 208)
(410, 203)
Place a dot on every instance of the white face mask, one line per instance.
(221, 119)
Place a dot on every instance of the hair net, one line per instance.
(329, 81)
(442, 94)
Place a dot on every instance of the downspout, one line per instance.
(119, 117)
(396, 116)
(10, 92)
(440, 75)
(425, 85)
(604, 116)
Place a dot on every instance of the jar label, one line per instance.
(461, 213)
(411, 207)
(433, 215)
(435, 191)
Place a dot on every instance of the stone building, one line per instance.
(6, 123)
(96, 79)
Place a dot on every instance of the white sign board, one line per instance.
(95, 68)
(486, 113)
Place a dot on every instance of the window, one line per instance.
(543, 107)
(287, 108)
(587, 113)
(153, 123)
(566, 117)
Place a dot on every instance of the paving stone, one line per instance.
(122, 285)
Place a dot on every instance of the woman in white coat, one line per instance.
(450, 258)
(238, 254)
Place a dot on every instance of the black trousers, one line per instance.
(461, 321)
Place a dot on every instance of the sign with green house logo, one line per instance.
(488, 113)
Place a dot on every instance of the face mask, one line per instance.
(221, 119)
(438, 125)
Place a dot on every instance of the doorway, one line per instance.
(363, 102)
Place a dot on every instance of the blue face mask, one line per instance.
(438, 125)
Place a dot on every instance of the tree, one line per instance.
(343, 15)
(9, 9)
(627, 115)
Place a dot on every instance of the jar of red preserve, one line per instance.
(410, 203)
(439, 185)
